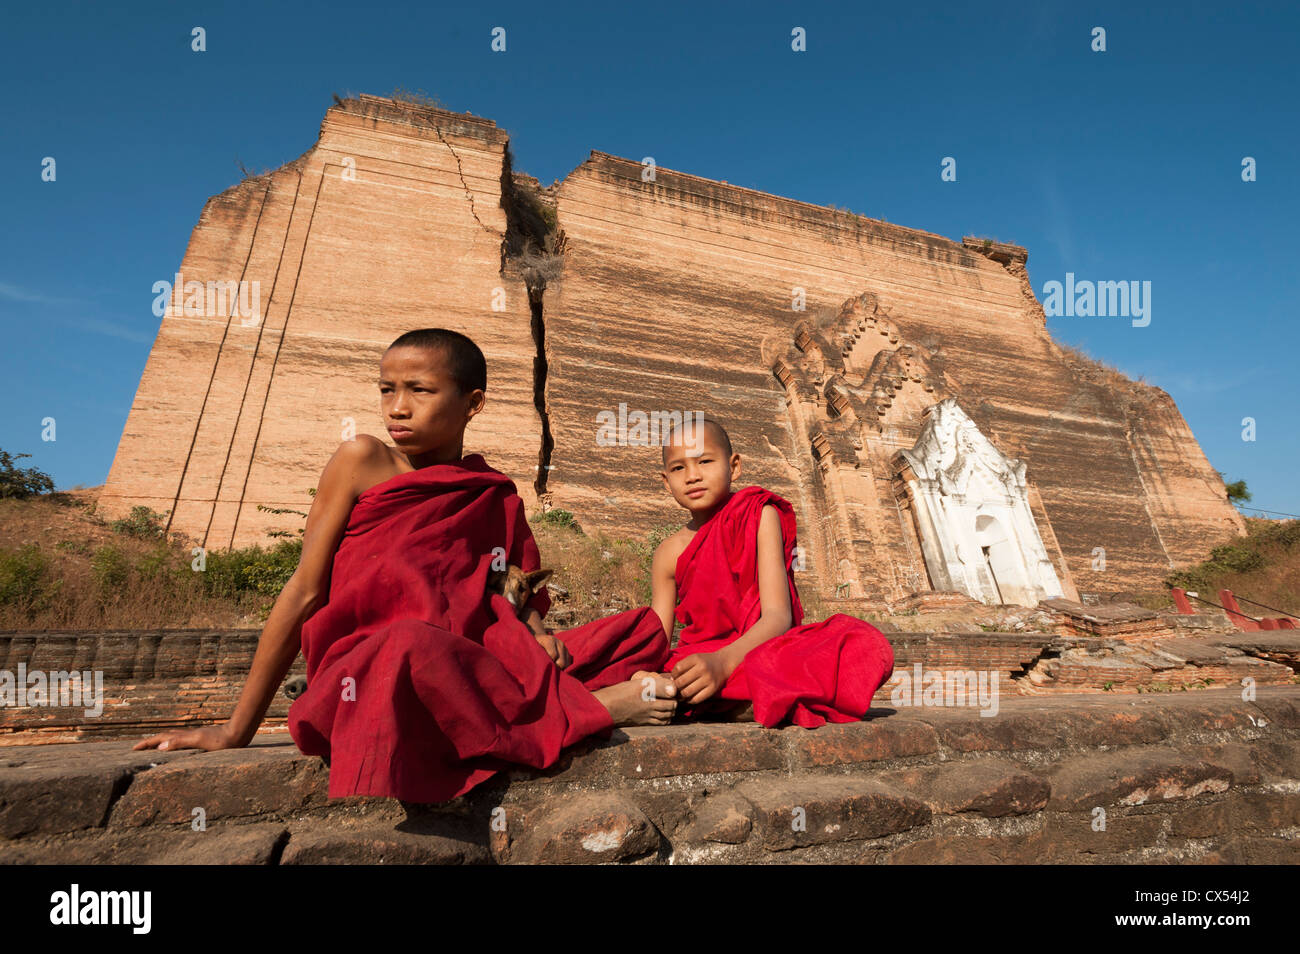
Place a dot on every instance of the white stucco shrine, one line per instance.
(973, 515)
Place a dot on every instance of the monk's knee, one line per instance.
(869, 644)
(650, 627)
(415, 638)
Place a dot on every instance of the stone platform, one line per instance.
(1192, 776)
(163, 679)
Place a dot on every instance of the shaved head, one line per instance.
(465, 362)
(711, 427)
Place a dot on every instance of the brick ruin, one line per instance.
(822, 339)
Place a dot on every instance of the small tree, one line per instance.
(22, 482)
(142, 522)
(1237, 492)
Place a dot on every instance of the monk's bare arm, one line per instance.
(701, 676)
(775, 615)
(663, 582)
(347, 471)
(308, 588)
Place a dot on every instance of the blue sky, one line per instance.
(1122, 165)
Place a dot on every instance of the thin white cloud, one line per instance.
(15, 293)
(111, 329)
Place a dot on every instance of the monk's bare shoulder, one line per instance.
(354, 466)
(671, 547)
(359, 464)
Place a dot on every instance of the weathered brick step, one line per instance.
(158, 680)
(1192, 776)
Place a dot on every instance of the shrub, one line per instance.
(1267, 547)
(25, 579)
(142, 522)
(252, 569)
(537, 269)
(223, 572)
(1287, 535)
(1236, 558)
(19, 482)
(416, 97)
(270, 571)
(157, 565)
(1237, 491)
(557, 518)
(1196, 580)
(111, 569)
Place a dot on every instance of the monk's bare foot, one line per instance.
(648, 698)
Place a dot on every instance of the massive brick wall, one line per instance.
(229, 416)
(675, 294)
(675, 290)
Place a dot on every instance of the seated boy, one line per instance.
(420, 684)
(728, 576)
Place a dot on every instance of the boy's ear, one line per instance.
(476, 399)
(537, 578)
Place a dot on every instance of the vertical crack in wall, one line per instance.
(539, 393)
(532, 251)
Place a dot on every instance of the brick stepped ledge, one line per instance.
(161, 679)
(1197, 776)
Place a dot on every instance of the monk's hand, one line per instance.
(209, 737)
(558, 652)
(700, 676)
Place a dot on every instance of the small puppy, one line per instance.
(516, 585)
(512, 583)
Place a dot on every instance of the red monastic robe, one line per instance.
(811, 674)
(422, 685)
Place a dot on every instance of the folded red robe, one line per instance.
(809, 675)
(422, 685)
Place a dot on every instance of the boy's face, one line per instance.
(423, 408)
(696, 471)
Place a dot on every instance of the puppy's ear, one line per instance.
(537, 578)
(495, 579)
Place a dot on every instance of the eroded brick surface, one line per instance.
(1086, 787)
(592, 828)
(1135, 777)
(814, 810)
(990, 787)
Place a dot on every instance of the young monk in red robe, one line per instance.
(728, 577)
(420, 683)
